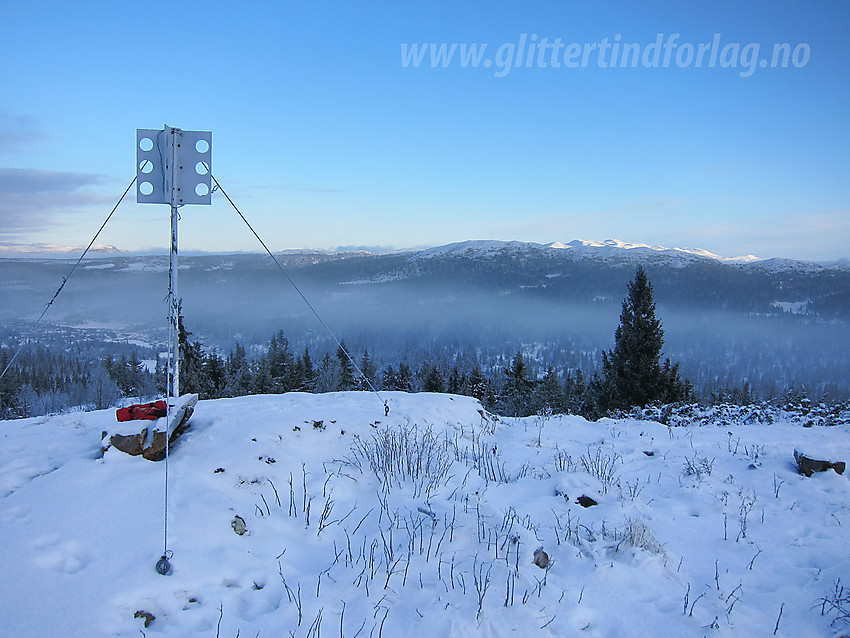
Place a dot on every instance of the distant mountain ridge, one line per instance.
(617, 244)
(615, 252)
(30, 250)
(579, 271)
(584, 248)
(610, 250)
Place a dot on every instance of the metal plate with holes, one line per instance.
(170, 166)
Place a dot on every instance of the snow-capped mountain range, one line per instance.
(610, 251)
(615, 244)
(607, 250)
(582, 248)
(30, 250)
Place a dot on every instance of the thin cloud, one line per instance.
(17, 132)
(31, 200)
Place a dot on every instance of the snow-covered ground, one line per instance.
(702, 531)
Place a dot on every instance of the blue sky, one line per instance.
(324, 138)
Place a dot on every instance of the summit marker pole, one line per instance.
(173, 167)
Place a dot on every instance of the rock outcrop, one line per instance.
(808, 466)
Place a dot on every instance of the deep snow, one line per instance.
(699, 531)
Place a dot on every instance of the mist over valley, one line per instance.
(777, 325)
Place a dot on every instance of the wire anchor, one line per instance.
(163, 566)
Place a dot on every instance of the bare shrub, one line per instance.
(564, 462)
(636, 533)
(837, 603)
(601, 465)
(698, 466)
(405, 454)
(487, 459)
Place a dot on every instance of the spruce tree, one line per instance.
(575, 392)
(346, 369)
(367, 367)
(548, 395)
(432, 379)
(281, 364)
(238, 373)
(516, 395)
(389, 379)
(326, 378)
(8, 386)
(404, 378)
(261, 377)
(476, 383)
(456, 381)
(632, 371)
(305, 371)
(191, 358)
(213, 375)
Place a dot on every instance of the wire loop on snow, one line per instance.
(163, 567)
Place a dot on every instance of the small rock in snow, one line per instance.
(586, 501)
(238, 525)
(541, 558)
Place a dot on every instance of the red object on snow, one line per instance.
(146, 411)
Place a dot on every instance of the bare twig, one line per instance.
(776, 628)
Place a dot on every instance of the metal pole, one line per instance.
(163, 566)
(174, 305)
(172, 195)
